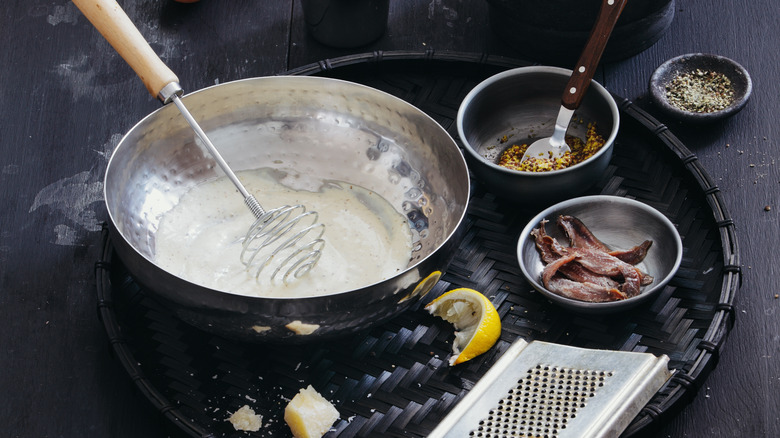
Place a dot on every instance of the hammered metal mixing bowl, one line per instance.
(320, 127)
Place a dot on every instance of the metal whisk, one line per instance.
(276, 238)
(293, 224)
(288, 224)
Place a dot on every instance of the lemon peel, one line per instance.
(475, 319)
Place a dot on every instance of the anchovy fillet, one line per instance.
(588, 269)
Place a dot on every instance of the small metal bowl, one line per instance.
(666, 72)
(522, 104)
(620, 223)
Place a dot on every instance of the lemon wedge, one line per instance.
(477, 324)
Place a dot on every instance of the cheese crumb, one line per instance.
(302, 328)
(309, 414)
(245, 419)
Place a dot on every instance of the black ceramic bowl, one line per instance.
(620, 223)
(666, 72)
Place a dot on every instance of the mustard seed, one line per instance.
(512, 157)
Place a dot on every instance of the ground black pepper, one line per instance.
(700, 91)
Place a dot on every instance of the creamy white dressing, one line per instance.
(199, 239)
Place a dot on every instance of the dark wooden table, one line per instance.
(66, 99)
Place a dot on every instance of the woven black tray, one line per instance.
(393, 380)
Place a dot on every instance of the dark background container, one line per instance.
(346, 23)
(555, 31)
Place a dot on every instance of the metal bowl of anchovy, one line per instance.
(600, 254)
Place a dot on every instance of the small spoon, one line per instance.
(555, 146)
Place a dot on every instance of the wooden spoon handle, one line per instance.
(591, 55)
(115, 26)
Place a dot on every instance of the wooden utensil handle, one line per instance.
(115, 26)
(591, 55)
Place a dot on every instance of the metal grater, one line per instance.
(545, 390)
